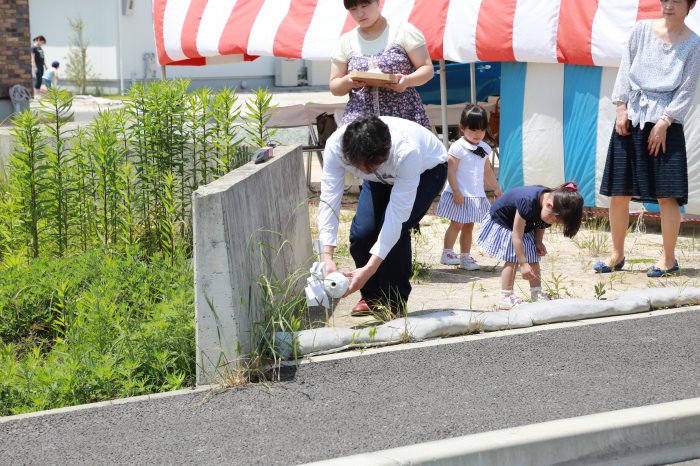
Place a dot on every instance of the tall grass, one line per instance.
(96, 295)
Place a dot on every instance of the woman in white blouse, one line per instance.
(646, 160)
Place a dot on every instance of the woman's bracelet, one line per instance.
(666, 118)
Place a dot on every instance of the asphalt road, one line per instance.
(386, 400)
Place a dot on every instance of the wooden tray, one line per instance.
(373, 79)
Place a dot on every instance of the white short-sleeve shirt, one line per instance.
(404, 34)
(470, 171)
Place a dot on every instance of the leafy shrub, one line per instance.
(97, 326)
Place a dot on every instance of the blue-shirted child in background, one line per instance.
(463, 200)
(514, 230)
(49, 78)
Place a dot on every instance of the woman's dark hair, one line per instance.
(41, 38)
(568, 206)
(353, 3)
(367, 141)
(474, 117)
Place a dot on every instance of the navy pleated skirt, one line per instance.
(497, 241)
(631, 171)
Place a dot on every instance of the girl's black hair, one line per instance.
(41, 38)
(474, 117)
(353, 3)
(366, 141)
(568, 206)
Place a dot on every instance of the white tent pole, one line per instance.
(443, 104)
(472, 81)
(119, 48)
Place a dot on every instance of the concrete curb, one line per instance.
(102, 404)
(453, 322)
(658, 434)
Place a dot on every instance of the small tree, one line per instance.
(78, 68)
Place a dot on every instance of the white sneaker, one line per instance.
(509, 302)
(467, 262)
(449, 258)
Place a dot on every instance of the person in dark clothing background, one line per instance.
(38, 63)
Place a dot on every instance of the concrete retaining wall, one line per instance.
(233, 217)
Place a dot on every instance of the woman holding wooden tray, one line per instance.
(377, 46)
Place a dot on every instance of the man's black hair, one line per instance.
(366, 142)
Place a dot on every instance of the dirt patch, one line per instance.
(566, 270)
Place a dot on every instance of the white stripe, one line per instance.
(606, 120)
(460, 31)
(692, 144)
(612, 26)
(214, 18)
(324, 31)
(224, 59)
(535, 28)
(543, 129)
(396, 11)
(173, 22)
(264, 31)
(693, 20)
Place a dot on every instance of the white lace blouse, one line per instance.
(657, 78)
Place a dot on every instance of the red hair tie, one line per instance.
(572, 186)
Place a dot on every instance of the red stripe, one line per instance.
(289, 39)
(575, 31)
(200, 61)
(349, 24)
(191, 27)
(494, 30)
(158, 14)
(649, 9)
(429, 17)
(234, 38)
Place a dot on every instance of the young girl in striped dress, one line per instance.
(514, 230)
(463, 200)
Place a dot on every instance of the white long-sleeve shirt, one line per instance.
(414, 150)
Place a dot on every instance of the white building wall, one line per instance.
(105, 22)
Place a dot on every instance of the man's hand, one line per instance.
(358, 279)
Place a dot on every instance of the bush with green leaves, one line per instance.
(97, 326)
(96, 285)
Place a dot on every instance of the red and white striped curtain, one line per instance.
(585, 32)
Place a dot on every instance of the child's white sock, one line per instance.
(506, 293)
(448, 250)
(535, 292)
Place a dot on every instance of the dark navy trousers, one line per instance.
(391, 283)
